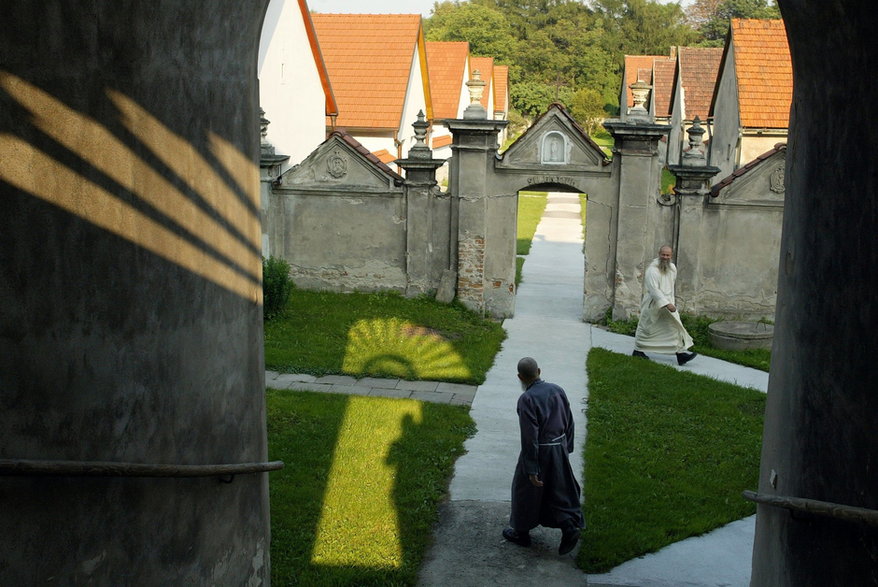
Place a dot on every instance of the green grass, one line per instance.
(605, 141)
(381, 335)
(697, 328)
(669, 180)
(531, 206)
(666, 457)
(530, 210)
(363, 477)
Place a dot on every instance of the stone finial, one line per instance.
(695, 156)
(476, 87)
(265, 147)
(420, 150)
(640, 91)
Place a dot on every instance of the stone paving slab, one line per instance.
(378, 382)
(350, 389)
(433, 396)
(287, 378)
(339, 379)
(383, 392)
(461, 388)
(417, 385)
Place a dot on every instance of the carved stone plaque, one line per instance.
(776, 180)
(337, 165)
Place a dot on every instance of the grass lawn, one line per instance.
(358, 496)
(530, 210)
(666, 457)
(381, 335)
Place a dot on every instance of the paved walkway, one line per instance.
(468, 549)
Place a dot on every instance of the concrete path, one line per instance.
(468, 549)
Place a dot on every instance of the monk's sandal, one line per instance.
(519, 538)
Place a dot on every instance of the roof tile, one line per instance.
(699, 67)
(369, 58)
(446, 62)
(764, 72)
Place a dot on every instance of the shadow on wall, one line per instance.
(181, 207)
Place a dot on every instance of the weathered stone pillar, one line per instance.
(485, 235)
(636, 155)
(691, 190)
(820, 419)
(270, 168)
(427, 231)
(130, 294)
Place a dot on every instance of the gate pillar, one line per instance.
(637, 157)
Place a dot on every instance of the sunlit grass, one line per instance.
(402, 349)
(359, 494)
(666, 457)
(362, 467)
(531, 206)
(381, 335)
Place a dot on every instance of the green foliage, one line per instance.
(712, 17)
(669, 180)
(627, 327)
(587, 107)
(486, 29)
(276, 286)
(643, 27)
(381, 335)
(667, 457)
(363, 477)
(533, 98)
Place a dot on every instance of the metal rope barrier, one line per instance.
(819, 508)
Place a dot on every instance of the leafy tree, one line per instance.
(643, 27)
(587, 107)
(712, 17)
(486, 29)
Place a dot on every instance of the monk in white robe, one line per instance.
(660, 329)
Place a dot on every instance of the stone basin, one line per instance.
(740, 335)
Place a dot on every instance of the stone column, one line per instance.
(636, 149)
(691, 191)
(820, 418)
(485, 262)
(270, 169)
(130, 294)
(426, 226)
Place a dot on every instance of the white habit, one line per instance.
(660, 331)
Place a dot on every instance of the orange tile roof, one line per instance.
(501, 87)
(385, 156)
(764, 72)
(663, 84)
(485, 66)
(699, 67)
(369, 58)
(638, 66)
(442, 141)
(446, 62)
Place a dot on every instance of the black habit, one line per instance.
(546, 440)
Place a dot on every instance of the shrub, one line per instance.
(276, 286)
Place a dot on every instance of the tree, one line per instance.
(487, 30)
(713, 16)
(643, 27)
(587, 107)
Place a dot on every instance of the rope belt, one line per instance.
(554, 441)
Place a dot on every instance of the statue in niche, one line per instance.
(554, 148)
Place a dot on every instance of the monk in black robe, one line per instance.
(544, 490)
